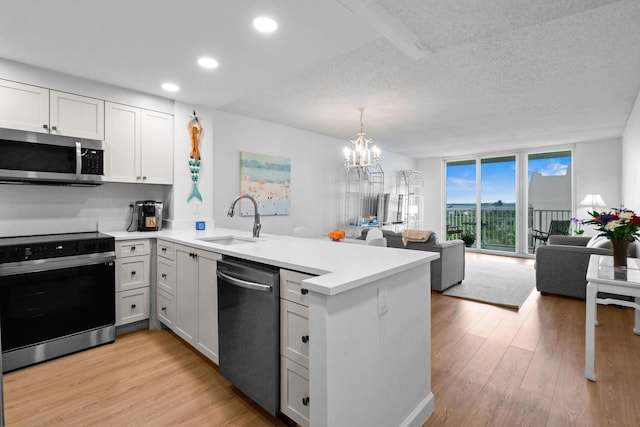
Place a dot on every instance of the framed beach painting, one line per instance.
(268, 180)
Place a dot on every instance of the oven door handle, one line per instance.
(38, 265)
(243, 283)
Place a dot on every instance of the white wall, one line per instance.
(316, 172)
(432, 170)
(46, 209)
(183, 214)
(598, 170)
(631, 159)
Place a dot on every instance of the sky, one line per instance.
(498, 180)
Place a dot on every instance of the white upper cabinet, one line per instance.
(24, 107)
(36, 109)
(76, 116)
(122, 143)
(138, 145)
(156, 154)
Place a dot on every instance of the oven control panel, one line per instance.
(16, 249)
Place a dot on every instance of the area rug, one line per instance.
(495, 282)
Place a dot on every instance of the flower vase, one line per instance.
(620, 250)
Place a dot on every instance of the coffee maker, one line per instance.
(149, 214)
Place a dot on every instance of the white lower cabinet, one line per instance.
(196, 299)
(294, 347)
(132, 305)
(294, 394)
(166, 308)
(165, 283)
(133, 270)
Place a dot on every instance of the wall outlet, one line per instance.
(383, 301)
(201, 225)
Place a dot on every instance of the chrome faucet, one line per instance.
(256, 218)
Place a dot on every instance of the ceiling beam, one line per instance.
(388, 26)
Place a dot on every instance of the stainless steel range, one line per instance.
(57, 296)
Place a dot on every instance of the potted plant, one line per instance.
(468, 239)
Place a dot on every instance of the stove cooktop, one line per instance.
(23, 248)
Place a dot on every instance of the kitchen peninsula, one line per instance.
(369, 322)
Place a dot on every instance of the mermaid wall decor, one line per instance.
(195, 132)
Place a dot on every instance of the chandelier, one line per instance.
(361, 155)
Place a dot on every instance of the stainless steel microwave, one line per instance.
(39, 158)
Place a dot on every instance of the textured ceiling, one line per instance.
(499, 74)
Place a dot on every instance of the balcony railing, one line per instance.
(498, 226)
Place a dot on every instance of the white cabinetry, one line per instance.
(132, 281)
(294, 347)
(138, 145)
(36, 109)
(166, 282)
(196, 299)
(24, 107)
(77, 116)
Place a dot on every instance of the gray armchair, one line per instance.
(446, 271)
(561, 265)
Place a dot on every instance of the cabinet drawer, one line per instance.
(294, 332)
(132, 305)
(125, 248)
(165, 250)
(294, 391)
(166, 275)
(166, 308)
(132, 272)
(291, 286)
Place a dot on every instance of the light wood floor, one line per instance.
(490, 366)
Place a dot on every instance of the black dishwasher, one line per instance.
(249, 329)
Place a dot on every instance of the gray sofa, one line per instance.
(561, 265)
(446, 271)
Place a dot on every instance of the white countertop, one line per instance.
(339, 266)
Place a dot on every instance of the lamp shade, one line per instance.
(593, 200)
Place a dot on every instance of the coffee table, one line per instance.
(603, 277)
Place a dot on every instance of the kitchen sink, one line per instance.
(228, 240)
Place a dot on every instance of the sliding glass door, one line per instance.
(487, 221)
(498, 203)
(461, 201)
(485, 208)
(549, 196)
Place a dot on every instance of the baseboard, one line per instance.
(420, 413)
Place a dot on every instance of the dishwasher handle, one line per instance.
(243, 283)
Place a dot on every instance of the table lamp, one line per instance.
(593, 200)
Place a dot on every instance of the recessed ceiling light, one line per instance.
(265, 25)
(170, 87)
(210, 63)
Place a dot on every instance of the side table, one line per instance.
(603, 277)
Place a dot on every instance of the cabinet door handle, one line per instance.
(133, 248)
(304, 291)
(144, 177)
(164, 309)
(133, 306)
(164, 249)
(164, 276)
(54, 128)
(305, 339)
(45, 126)
(133, 273)
(305, 401)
